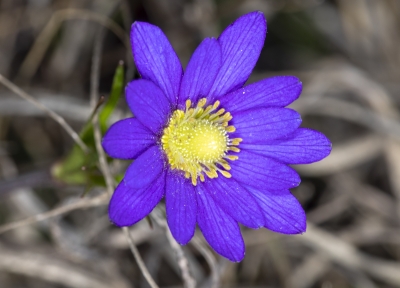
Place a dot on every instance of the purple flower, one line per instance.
(217, 151)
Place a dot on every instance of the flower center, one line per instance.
(197, 141)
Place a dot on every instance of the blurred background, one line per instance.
(66, 54)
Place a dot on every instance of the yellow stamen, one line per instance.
(196, 141)
(226, 174)
(234, 149)
(231, 157)
(230, 129)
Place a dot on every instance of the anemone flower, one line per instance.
(216, 150)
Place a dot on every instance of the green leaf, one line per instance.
(70, 169)
(115, 95)
(81, 168)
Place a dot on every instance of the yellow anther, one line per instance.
(226, 166)
(230, 129)
(220, 112)
(223, 161)
(194, 180)
(235, 143)
(227, 116)
(202, 102)
(188, 104)
(225, 173)
(232, 157)
(234, 149)
(211, 174)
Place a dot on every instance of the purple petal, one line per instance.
(128, 205)
(259, 125)
(201, 71)
(145, 169)
(126, 139)
(241, 44)
(283, 213)
(277, 91)
(148, 103)
(235, 200)
(219, 229)
(262, 172)
(301, 147)
(181, 207)
(155, 58)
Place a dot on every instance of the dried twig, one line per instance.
(309, 271)
(347, 255)
(188, 280)
(36, 54)
(52, 269)
(211, 261)
(355, 113)
(346, 156)
(139, 259)
(94, 98)
(39, 105)
(183, 263)
(82, 203)
(67, 106)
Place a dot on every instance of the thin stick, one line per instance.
(14, 88)
(80, 204)
(349, 256)
(43, 41)
(139, 259)
(95, 69)
(183, 263)
(211, 261)
(94, 99)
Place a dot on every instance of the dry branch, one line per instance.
(81, 203)
(51, 269)
(14, 88)
(36, 54)
(188, 280)
(139, 259)
(347, 255)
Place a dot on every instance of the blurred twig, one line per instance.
(94, 98)
(347, 255)
(139, 259)
(307, 273)
(183, 263)
(67, 106)
(381, 123)
(81, 203)
(36, 54)
(52, 114)
(210, 258)
(53, 269)
(33, 179)
(346, 156)
(188, 280)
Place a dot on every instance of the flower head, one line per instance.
(217, 151)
